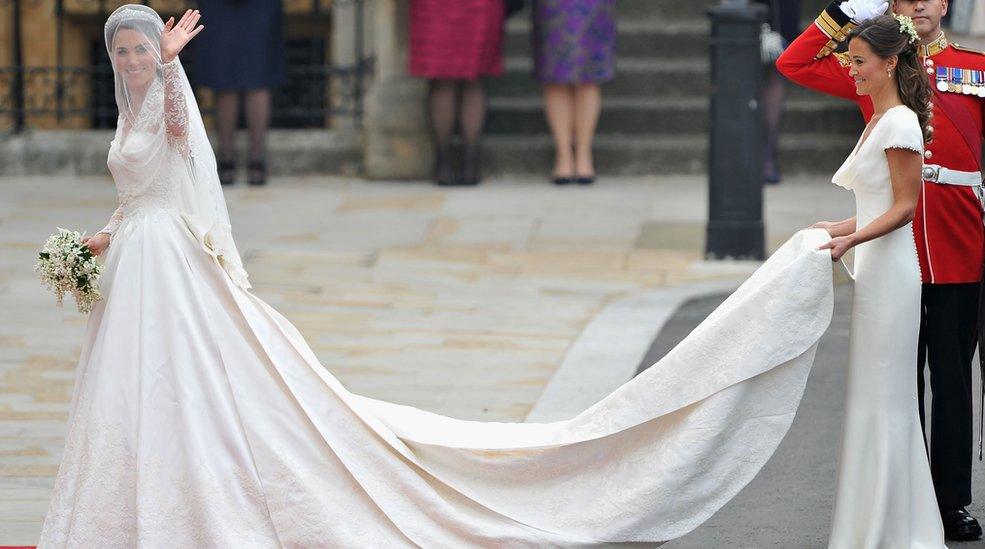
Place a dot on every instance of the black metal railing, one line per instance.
(316, 90)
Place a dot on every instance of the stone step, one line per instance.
(83, 152)
(668, 12)
(672, 116)
(664, 10)
(635, 77)
(657, 155)
(645, 38)
(307, 152)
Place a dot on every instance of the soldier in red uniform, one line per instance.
(947, 225)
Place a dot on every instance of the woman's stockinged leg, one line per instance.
(559, 110)
(442, 108)
(258, 121)
(473, 118)
(588, 106)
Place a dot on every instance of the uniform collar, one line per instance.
(933, 48)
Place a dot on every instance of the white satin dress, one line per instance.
(201, 418)
(885, 497)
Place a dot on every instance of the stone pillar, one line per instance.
(397, 144)
(735, 170)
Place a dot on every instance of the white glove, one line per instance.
(861, 11)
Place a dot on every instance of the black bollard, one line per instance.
(735, 169)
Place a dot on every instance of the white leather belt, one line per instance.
(944, 176)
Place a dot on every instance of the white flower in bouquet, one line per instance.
(66, 266)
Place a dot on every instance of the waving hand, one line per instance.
(175, 37)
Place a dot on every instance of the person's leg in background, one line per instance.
(442, 106)
(559, 107)
(226, 118)
(258, 122)
(773, 92)
(473, 117)
(588, 106)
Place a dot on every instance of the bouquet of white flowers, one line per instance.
(65, 265)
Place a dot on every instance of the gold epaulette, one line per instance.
(965, 48)
(836, 25)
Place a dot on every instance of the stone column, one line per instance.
(397, 144)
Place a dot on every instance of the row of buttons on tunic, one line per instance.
(929, 63)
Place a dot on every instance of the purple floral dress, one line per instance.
(574, 40)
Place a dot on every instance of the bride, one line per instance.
(201, 418)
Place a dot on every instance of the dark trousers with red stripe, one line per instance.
(948, 322)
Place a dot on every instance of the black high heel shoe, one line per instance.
(444, 175)
(227, 172)
(257, 173)
(470, 169)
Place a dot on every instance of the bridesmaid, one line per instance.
(574, 52)
(454, 43)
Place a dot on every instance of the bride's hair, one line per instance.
(884, 34)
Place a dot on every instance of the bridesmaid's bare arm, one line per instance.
(905, 173)
(837, 228)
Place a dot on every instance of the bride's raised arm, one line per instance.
(175, 106)
(173, 40)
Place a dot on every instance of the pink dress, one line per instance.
(456, 38)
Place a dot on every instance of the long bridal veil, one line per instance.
(162, 116)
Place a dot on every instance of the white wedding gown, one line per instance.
(200, 418)
(885, 497)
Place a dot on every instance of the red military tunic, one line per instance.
(947, 225)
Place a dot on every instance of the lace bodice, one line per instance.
(145, 166)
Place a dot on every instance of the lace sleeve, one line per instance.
(114, 222)
(175, 107)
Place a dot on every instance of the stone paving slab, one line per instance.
(459, 301)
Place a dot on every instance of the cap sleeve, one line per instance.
(903, 131)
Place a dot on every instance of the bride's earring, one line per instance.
(889, 72)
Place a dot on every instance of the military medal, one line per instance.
(942, 79)
(966, 79)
